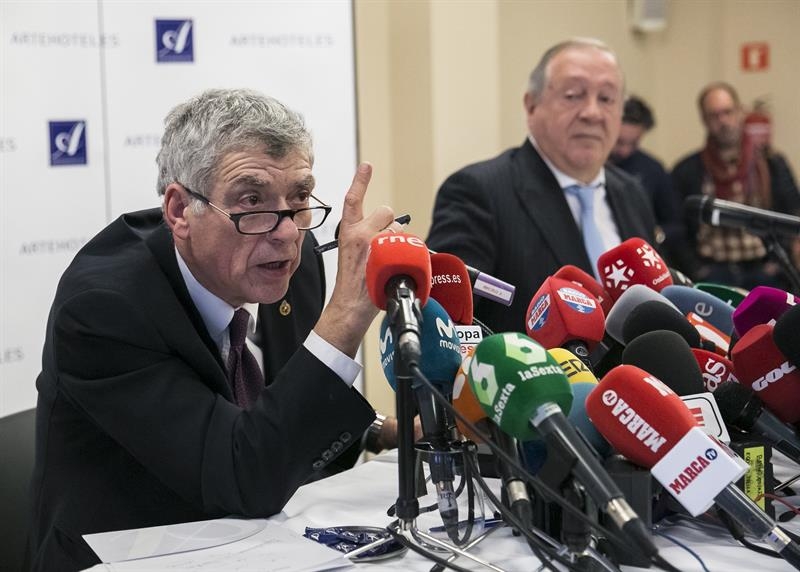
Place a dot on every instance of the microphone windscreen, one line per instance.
(632, 297)
(393, 255)
(440, 348)
(450, 286)
(715, 369)
(709, 307)
(632, 262)
(680, 278)
(761, 306)
(574, 368)
(654, 315)
(587, 282)
(710, 337)
(642, 418)
(465, 402)
(731, 295)
(512, 375)
(667, 356)
(738, 405)
(761, 366)
(561, 312)
(786, 335)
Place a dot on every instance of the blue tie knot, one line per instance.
(585, 194)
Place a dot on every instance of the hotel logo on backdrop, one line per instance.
(174, 41)
(67, 143)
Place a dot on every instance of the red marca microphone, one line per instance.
(563, 314)
(761, 366)
(647, 422)
(632, 262)
(582, 279)
(399, 281)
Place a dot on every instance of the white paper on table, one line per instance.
(271, 547)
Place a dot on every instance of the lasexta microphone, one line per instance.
(708, 307)
(563, 314)
(729, 214)
(524, 390)
(762, 367)
(763, 305)
(632, 262)
(647, 422)
(743, 410)
(588, 283)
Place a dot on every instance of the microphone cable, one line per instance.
(541, 487)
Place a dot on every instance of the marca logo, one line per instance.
(650, 257)
(174, 41)
(396, 238)
(692, 471)
(617, 275)
(384, 342)
(576, 300)
(627, 416)
(773, 376)
(538, 316)
(67, 142)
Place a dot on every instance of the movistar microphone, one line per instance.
(763, 305)
(709, 307)
(399, 281)
(632, 262)
(489, 287)
(563, 314)
(588, 283)
(761, 366)
(649, 424)
(743, 410)
(524, 390)
(441, 357)
(729, 214)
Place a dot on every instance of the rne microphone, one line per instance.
(632, 262)
(524, 390)
(718, 212)
(648, 423)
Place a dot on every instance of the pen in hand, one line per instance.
(319, 249)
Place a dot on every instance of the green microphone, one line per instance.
(525, 392)
(731, 295)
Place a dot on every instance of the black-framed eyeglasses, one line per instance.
(262, 222)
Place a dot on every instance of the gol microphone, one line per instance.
(718, 212)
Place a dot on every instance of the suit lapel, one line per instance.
(543, 200)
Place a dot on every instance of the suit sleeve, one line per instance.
(117, 368)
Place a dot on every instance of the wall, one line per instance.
(440, 84)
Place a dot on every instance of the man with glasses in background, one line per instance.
(190, 370)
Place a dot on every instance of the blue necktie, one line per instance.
(592, 239)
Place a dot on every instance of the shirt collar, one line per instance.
(215, 311)
(563, 179)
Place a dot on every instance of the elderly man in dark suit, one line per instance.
(189, 368)
(521, 215)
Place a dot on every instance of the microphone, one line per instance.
(785, 334)
(450, 287)
(762, 305)
(563, 314)
(649, 424)
(715, 369)
(441, 357)
(588, 283)
(398, 277)
(632, 262)
(731, 295)
(524, 390)
(761, 366)
(488, 286)
(630, 299)
(744, 411)
(653, 315)
(710, 337)
(666, 355)
(708, 307)
(718, 212)
(679, 278)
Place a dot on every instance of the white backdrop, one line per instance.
(83, 96)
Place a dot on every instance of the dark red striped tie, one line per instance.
(243, 372)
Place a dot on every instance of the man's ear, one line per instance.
(176, 202)
(529, 102)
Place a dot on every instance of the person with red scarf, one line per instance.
(733, 166)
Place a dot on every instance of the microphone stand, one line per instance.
(775, 247)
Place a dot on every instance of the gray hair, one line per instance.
(538, 78)
(204, 129)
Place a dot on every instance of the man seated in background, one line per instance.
(733, 168)
(190, 370)
(520, 215)
(637, 120)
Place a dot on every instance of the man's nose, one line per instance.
(591, 110)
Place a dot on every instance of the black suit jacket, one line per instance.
(136, 424)
(508, 217)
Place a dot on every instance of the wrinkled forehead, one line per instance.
(585, 62)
